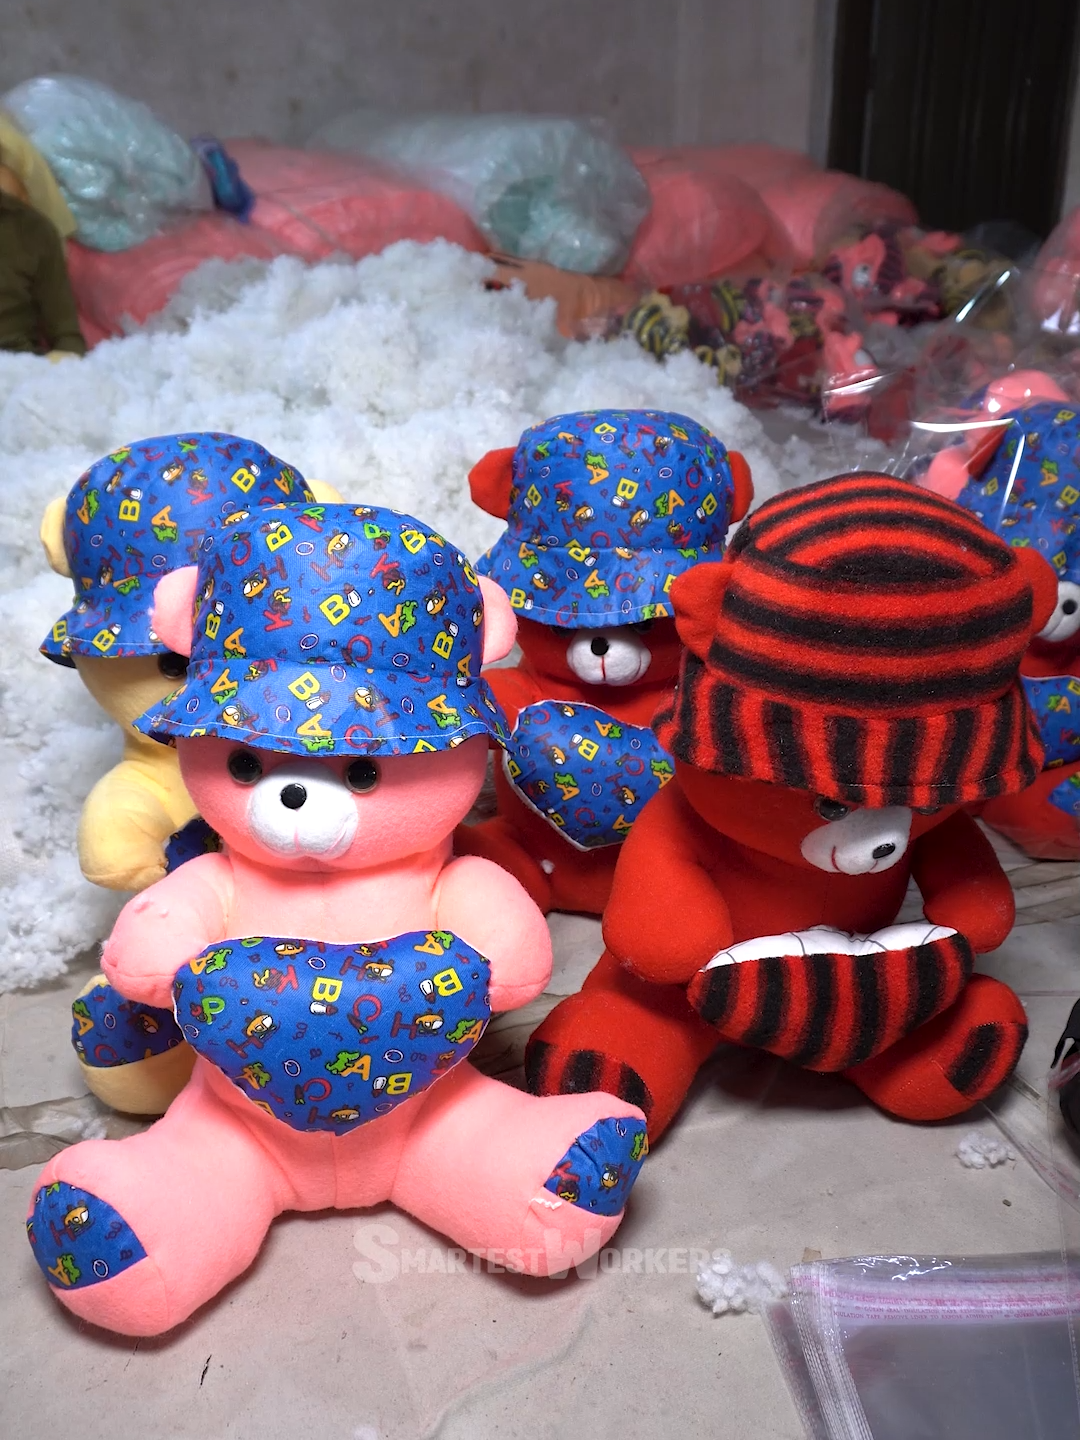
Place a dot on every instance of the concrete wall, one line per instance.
(661, 71)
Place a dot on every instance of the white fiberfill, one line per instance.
(388, 378)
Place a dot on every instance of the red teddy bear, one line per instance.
(604, 510)
(850, 683)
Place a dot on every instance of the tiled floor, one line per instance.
(765, 1161)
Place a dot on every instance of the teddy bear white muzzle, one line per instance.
(303, 808)
(862, 843)
(615, 656)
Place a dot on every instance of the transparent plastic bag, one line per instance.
(904, 1347)
(120, 169)
(539, 188)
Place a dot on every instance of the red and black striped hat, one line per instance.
(861, 640)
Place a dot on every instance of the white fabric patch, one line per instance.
(823, 940)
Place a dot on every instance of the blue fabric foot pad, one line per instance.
(599, 1169)
(79, 1240)
(108, 1030)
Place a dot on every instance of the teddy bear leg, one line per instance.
(953, 1061)
(133, 1057)
(625, 1036)
(536, 1184)
(136, 1234)
(498, 841)
(581, 880)
(1044, 819)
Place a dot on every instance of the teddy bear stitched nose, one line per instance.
(293, 796)
(879, 852)
(599, 646)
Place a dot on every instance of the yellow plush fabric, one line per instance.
(131, 811)
(28, 163)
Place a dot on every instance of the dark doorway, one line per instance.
(962, 104)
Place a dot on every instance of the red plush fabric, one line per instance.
(853, 675)
(866, 647)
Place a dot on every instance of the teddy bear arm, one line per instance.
(485, 906)
(513, 689)
(665, 918)
(962, 884)
(160, 930)
(123, 828)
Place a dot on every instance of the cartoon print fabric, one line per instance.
(607, 507)
(337, 629)
(1056, 703)
(327, 1037)
(109, 1030)
(1029, 493)
(142, 511)
(1066, 796)
(588, 774)
(78, 1239)
(599, 1169)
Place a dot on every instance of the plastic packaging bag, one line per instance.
(1003, 442)
(907, 1347)
(705, 221)
(120, 169)
(539, 188)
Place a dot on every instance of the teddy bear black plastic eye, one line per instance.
(831, 809)
(362, 776)
(642, 627)
(172, 666)
(927, 809)
(244, 767)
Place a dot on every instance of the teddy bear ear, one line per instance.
(324, 492)
(696, 596)
(744, 485)
(172, 615)
(1044, 585)
(52, 535)
(500, 622)
(490, 480)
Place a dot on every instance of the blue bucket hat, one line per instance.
(344, 629)
(143, 511)
(606, 508)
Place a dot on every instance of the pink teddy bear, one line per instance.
(334, 738)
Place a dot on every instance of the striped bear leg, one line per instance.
(825, 1008)
(638, 1041)
(955, 1060)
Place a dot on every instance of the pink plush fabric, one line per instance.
(952, 467)
(468, 1155)
(817, 207)
(704, 221)
(315, 202)
(308, 203)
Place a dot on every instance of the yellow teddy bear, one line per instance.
(136, 514)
